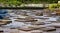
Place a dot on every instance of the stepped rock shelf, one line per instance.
(29, 23)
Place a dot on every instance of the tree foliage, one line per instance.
(10, 2)
(19, 2)
(38, 1)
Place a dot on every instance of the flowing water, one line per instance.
(19, 13)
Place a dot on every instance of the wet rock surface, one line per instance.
(4, 22)
(30, 23)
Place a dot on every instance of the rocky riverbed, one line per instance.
(31, 21)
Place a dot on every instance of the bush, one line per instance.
(16, 3)
(58, 5)
(52, 6)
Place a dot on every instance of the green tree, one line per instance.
(10, 2)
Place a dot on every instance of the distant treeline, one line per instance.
(38, 1)
(19, 2)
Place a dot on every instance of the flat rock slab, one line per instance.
(38, 23)
(26, 20)
(36, 31)
(57, 25)
(11, 31)
(25, 29)
(48, 29)
(3, 22)
(35, 27)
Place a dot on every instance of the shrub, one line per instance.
(52, 6)
(58, 5)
